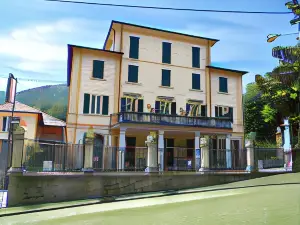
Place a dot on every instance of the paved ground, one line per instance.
(265, 203)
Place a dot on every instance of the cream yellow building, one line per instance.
(151, 80)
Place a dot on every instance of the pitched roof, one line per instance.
(229, 70)
(22, 108)
(156, 29)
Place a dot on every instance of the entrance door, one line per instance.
(169, 153)
(130, 152)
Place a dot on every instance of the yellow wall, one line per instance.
(232, 99)
(83, 82)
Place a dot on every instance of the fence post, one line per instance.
(228, 152)
(88, 155)
(17, 151)
(250, 155)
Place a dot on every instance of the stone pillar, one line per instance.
(88, 155)
(17, 150)
(197, 151)
(108, 153)
(161, 150)
(152, 154)
(287, 146)
(228, 152)
(250, 155)
(121, 150)
(204, 153)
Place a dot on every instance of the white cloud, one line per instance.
(42, 48)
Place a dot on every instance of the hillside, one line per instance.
(52, 99)
(2, 97)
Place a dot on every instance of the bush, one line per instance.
(296, 163)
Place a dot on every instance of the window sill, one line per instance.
(132, 83)
(99, 79)
(166, 87)
(197, 90)
(223, 93)
(86, 114)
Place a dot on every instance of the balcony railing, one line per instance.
(163, 119)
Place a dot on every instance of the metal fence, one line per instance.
(267, 158)
(41, 156)
(4, 159)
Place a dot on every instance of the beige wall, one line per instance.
(83, 82)
(232, 99)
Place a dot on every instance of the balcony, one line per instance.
(172, 120)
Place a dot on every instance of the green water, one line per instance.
(274, 205)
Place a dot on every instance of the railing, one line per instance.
(163, 119)
(39, 156)
(267, 158)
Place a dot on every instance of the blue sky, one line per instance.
(34, 34)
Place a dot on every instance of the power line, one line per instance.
(36, 80)
(167, 8)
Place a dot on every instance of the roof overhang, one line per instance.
(228, 70)
(211, 41)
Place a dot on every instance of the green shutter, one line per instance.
(93, 104)
(166, 52)
(196, 57)
(196, 81)
(141, 105)
(231, 113)
(133, 73)
(166, 78)
(105, 104)
(86, 104)
(98, 69)
(123, 104)
(223, 84)
(203, 110)
(216, 111)
(98, 105)
(134, 47)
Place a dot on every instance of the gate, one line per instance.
(3, 165)
(98, 153)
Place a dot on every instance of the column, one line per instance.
(250, 155)
(109, 153)
(152, 154)
(17, 150)
(204, 153)
(287, 145)
(161, 150)
(88, 155)
(197, 151)
(121, 150)
(228, 152)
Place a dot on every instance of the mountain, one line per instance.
(2, 97)
(51, 99)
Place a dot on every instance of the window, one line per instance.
(133, 72)
(98, 69)
(166, 78)
(131, 104)
(195, 109)
(196, 81)
(134, 47)
(166, 52)
(223, 85)
(165, 107)
(224, 111)
(196, 57)
(93, 104)
(5, 124)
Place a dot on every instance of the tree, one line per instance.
(254, 120)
